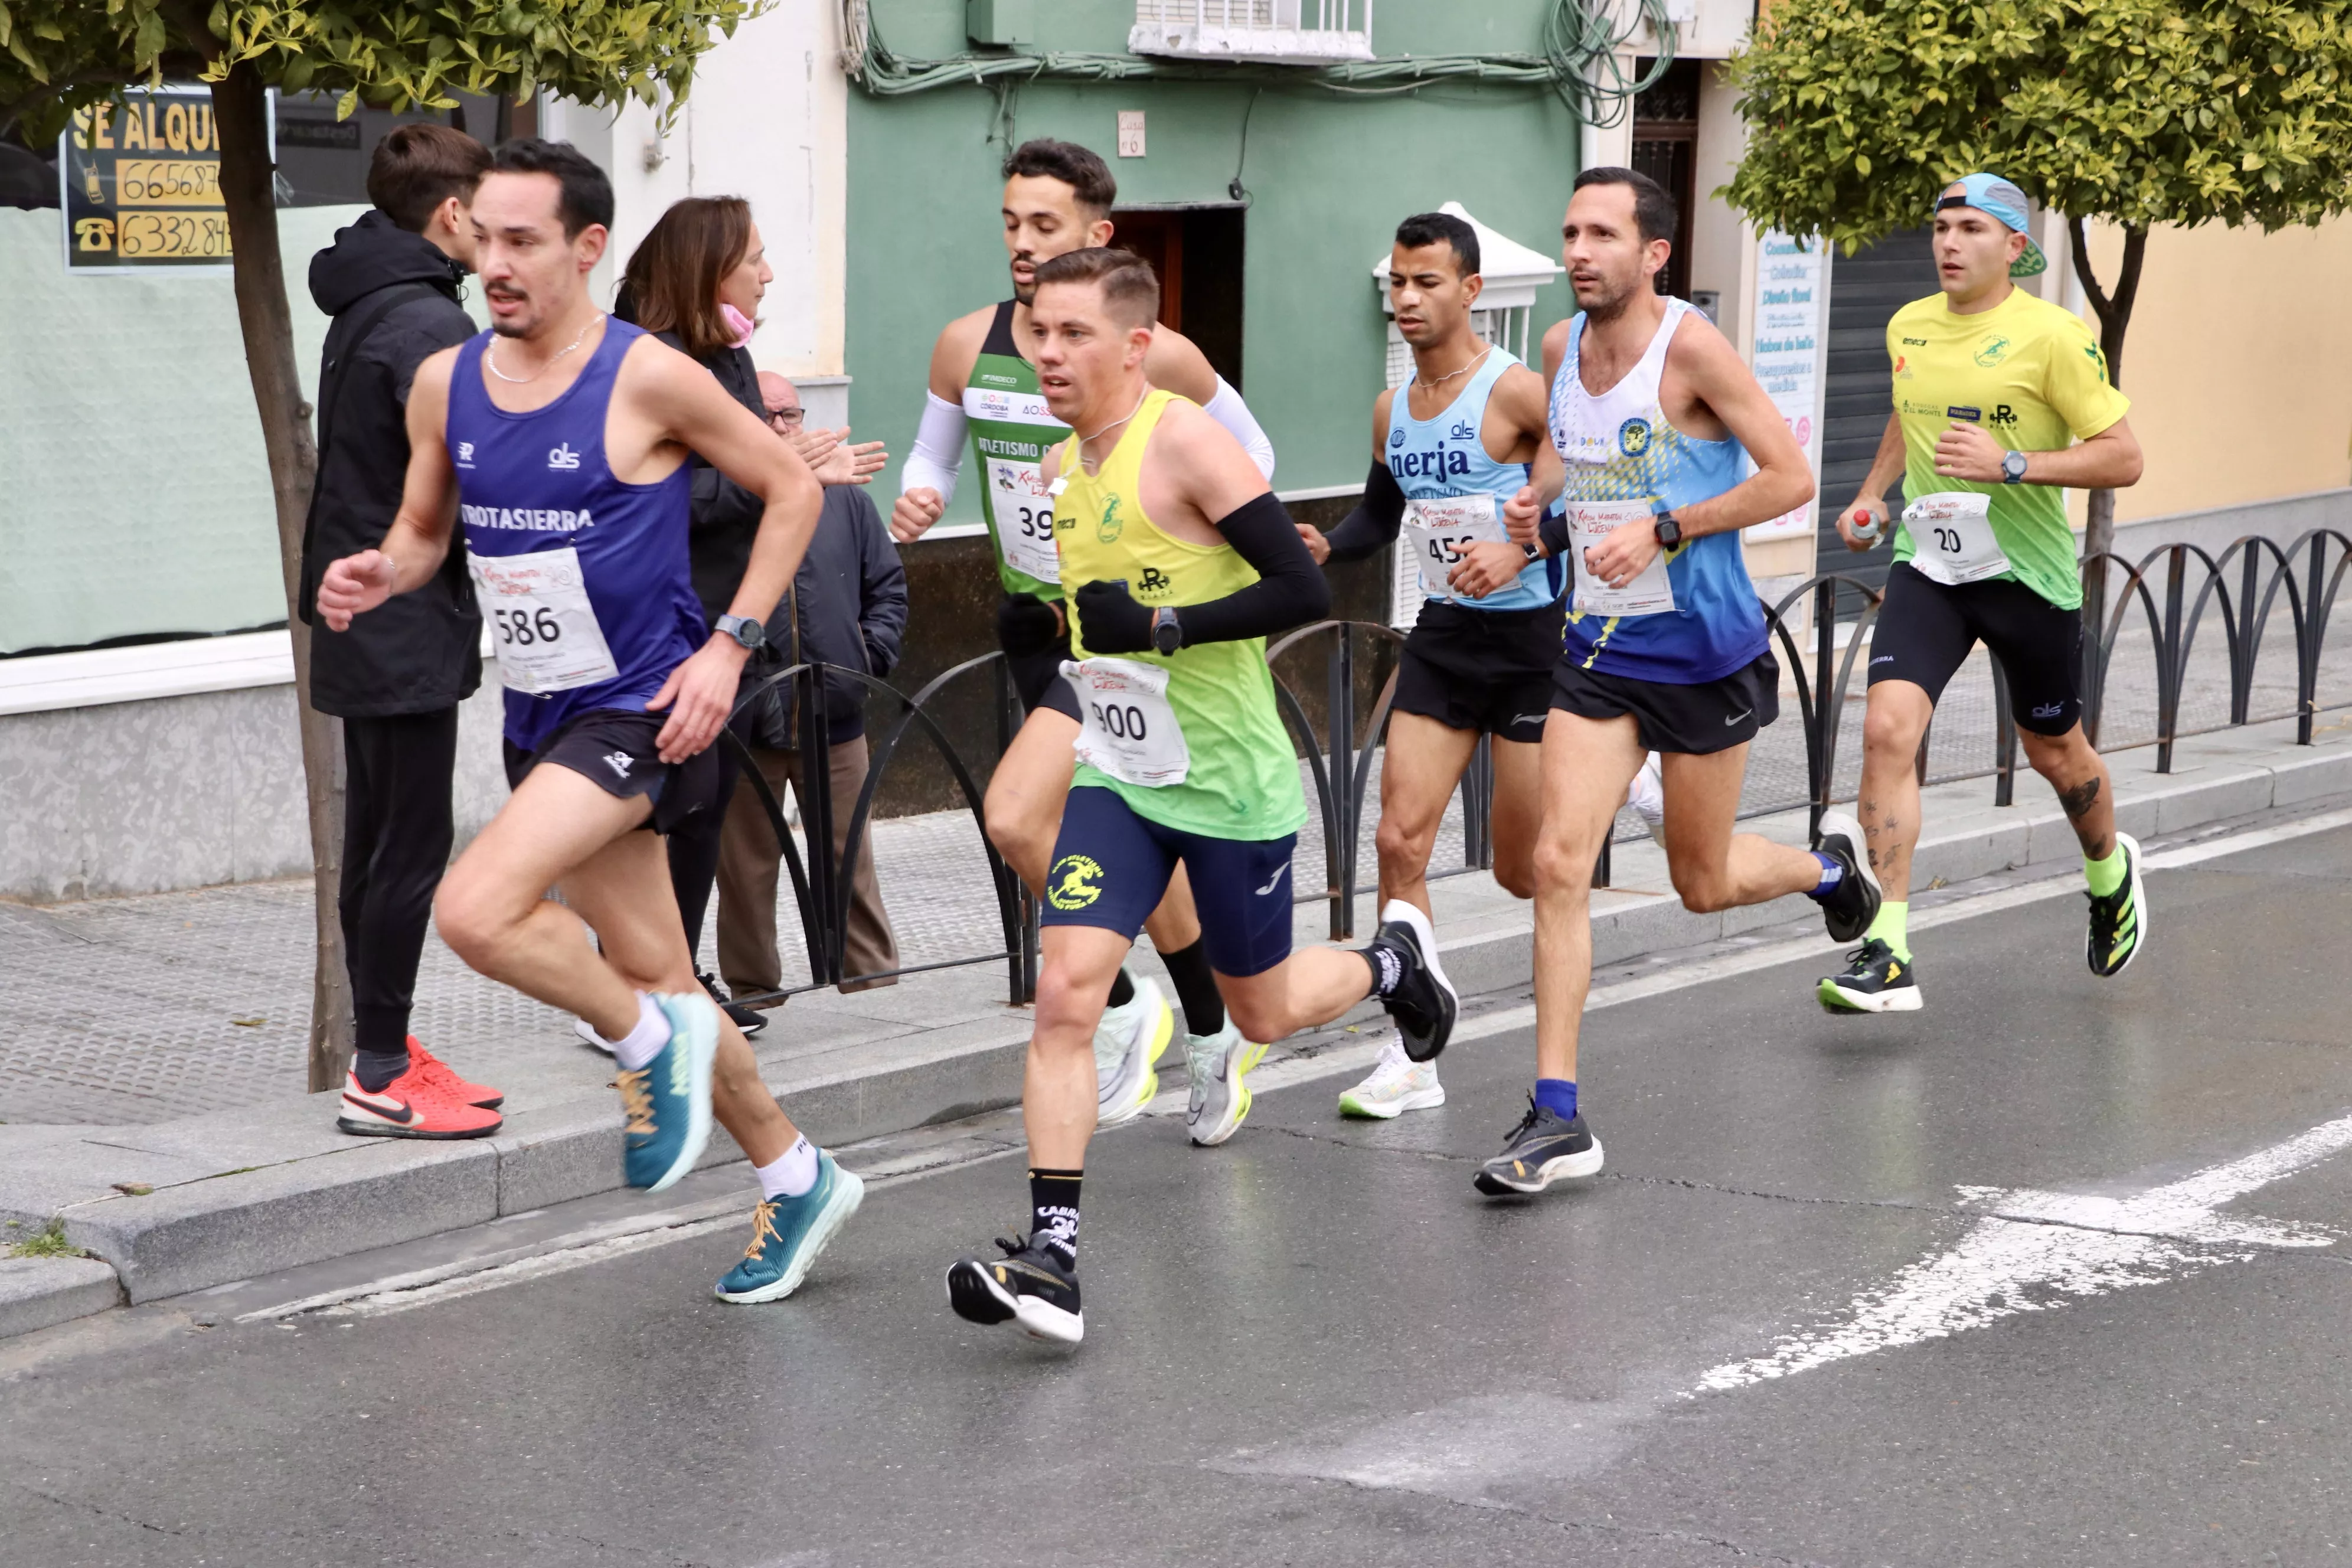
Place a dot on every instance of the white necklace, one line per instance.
(491, 356)
(1421, 385)
(1095, 465)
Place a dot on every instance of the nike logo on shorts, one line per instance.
(1735, 718)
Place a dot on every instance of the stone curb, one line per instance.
(38, 1292)
(199, 1234)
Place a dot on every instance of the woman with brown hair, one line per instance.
(696, 282)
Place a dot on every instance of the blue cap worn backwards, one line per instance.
(1992, 194)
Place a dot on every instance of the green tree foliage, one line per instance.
(57, 54)
(2140, 112)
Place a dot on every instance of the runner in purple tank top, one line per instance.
(560, 439)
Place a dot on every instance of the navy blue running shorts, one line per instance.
(1111, 868)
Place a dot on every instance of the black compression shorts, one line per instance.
(614, 747)
(1925, 631)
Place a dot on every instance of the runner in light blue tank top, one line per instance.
(1484, 636)
(1444, 457)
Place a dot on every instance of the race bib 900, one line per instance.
(1127, 728)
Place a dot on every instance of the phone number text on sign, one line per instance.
(167, 183)
(173, 237)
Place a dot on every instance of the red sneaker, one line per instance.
(411, 1108)
(431, 1069)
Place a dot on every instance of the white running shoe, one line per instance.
(589, 1038)
(1647, 796)
(1220, 1098)
(1398, 1084)
(1128, 1042)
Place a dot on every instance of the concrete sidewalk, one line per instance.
(174, 1204)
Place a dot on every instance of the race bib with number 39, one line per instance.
(1443, 529)
(541, 624)
(1024, 519)
(1127, 729)
(1952, 538)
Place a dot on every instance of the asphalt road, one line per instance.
(2038, 1276)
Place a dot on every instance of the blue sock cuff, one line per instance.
(1557, 1095)
(1831, 874)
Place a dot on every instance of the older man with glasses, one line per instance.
(846, 608)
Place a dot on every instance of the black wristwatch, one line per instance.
(1532, 551)
(1669, 531)
(1167, 636)
(752, 633)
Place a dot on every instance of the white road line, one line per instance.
(2037, 1251)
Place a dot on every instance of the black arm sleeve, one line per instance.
(1290, 591)
(1374, 523)
(1552, 533)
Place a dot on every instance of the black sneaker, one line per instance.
(2119, 920)
(1541, 1150)
(1419, 996)
(1874, 981)
(1028, 1284)
(751, 1020)
(1853, 904)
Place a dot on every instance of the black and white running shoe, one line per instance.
(1853, 904)
(1541, 1150)
(751, 1020)
(2118, 922)
(1028, 1285)
(1874, 981)
(1417, 995)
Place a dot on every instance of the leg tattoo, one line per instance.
(2079, 800)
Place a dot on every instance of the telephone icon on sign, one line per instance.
(95, 233)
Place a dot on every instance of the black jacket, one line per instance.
(420, 652)
(848, 607)
(725, 518)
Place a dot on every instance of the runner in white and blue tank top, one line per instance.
(1651, 413)
(615, 692)
(1478, 660)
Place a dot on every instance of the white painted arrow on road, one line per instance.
(2037, 1250)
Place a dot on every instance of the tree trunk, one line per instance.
(241, 107)
(2113, 312)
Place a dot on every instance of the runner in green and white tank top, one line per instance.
(1011, 430)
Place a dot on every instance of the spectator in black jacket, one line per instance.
(847, 608)
(696, 282)
(391, 282)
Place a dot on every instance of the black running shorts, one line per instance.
(1690, 721)
(1485, 670)
(615, 747)
(1926, 629)
(1038, 677)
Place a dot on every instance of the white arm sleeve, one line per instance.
(1228, 410)
(939, 448)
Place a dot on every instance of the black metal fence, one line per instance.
(2254, 587)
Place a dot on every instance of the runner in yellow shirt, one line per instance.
(2000, 400)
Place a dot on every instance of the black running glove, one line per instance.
(1111, 621)
(1026, 624)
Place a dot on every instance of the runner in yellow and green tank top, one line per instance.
(1177, 563)
(984, 396)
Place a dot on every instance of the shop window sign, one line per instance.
(141, 178)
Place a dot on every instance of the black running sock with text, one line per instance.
(1388, 967)
(1122, 990)
(1054, 1214)
(1196, 988)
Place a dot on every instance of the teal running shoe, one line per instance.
(667, 1100)
(788, 1233)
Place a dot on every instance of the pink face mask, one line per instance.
(737, 323)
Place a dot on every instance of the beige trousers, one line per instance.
(749, 862)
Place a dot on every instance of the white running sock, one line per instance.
(790, 1174)
(644, 1043)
